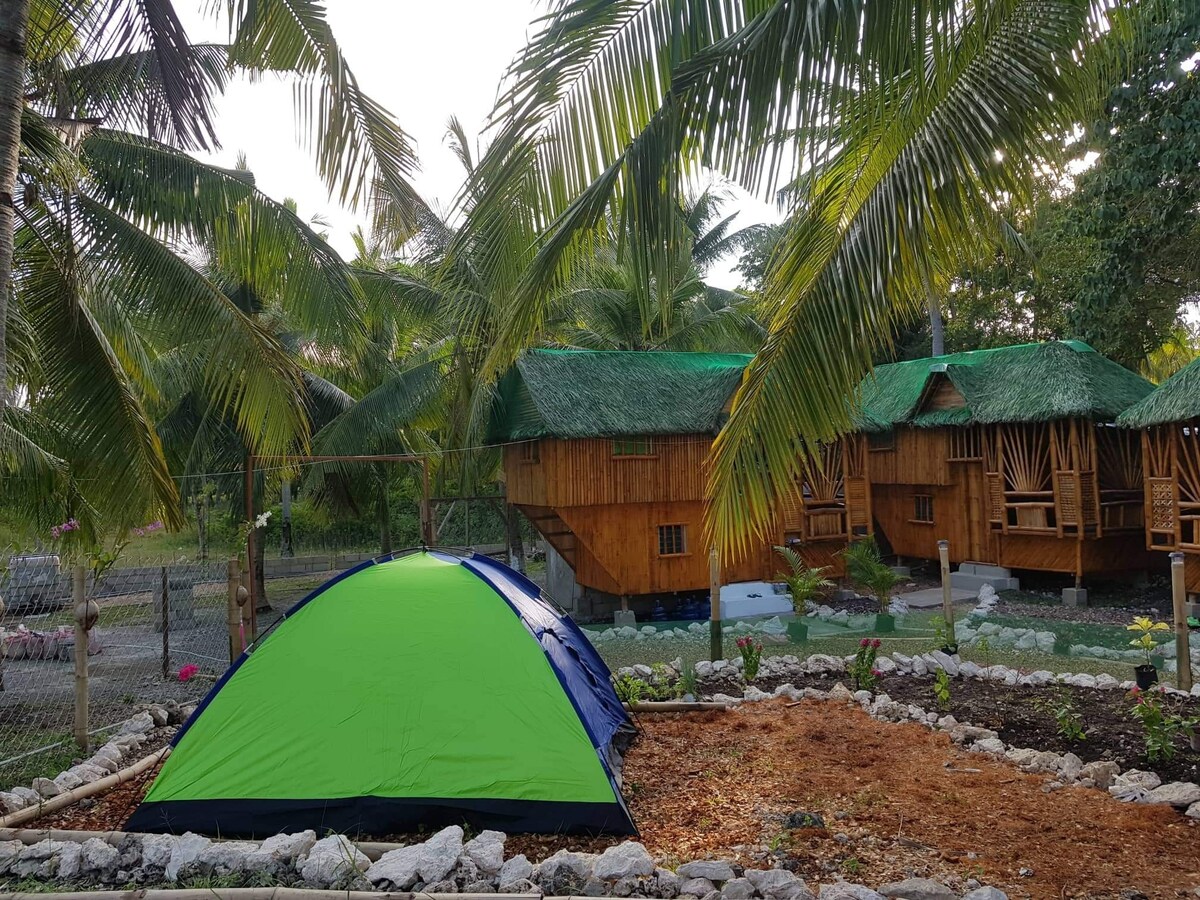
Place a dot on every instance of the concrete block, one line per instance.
(902, 571)
(1075, 597)
(623, 617)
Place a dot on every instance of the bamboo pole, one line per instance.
(947, 587)
(268, 893)
(79, 603)
(70, 798)
(714, 610)
(1183, 656)
(233, 612)
(674, 706)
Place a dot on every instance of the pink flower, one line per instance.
(186, 673)
(865, 642)
(877, 673)
(875, 643)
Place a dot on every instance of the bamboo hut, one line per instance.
(605, 453)
(1168, 420)
(1011, 455)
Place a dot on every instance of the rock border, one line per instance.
(128, 737)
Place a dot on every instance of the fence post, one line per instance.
(246, 604)
(86, 612)
(1183, 654)
(166, 626)
(233, 612)
(947, 588)
(714, 605)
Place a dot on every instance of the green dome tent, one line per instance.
(420, 690)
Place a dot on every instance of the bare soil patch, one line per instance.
(897, 800)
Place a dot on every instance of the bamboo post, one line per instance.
(1183, 656)
(947, 588)
(714, 586)
(251, 548)
(233, 612)
(166, 626)
(85, 617)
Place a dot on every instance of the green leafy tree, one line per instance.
(95, 240)
(900, 127)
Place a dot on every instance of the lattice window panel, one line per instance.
(1162, 504)
(1068, 499)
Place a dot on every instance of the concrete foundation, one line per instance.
(623, 617)
(1075, 597)
(973, 576)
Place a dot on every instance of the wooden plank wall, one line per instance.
(619, 549)
(916, 456)
(585, 473)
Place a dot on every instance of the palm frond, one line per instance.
(358, 145)
(245, 370)
(255, 241)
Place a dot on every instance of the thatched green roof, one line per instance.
(1021, 383)
(613, 393)
(1175, 400)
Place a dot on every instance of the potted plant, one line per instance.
(866, 568)
(803, 584)
(1147, 673)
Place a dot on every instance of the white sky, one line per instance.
(424, 60)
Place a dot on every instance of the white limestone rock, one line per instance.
(712, 869)
(9, 850)
(225, 857)
(696, 887)
(185, 851)
(397, 869)
(46, 788)
(1133, 785)
(1180, 794)
(486, 850)
(98, 858)
(278, 852)
(778, 884)
(516, 869)
(440, 853)
(917, 889)
(1102, 772)
(628, 859)
(156, 851)
(332, 861)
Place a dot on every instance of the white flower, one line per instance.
(261, 521)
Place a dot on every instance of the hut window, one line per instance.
(672, 540)
(531, 452)
(881, 440)
(632, 446)
(923, 508)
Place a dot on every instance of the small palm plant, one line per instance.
(803, 582)
(866, 568)
(1145, 628)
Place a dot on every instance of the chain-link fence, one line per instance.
(141, 650)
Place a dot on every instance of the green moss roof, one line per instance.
(1175, 400)
(1021, 383)
(612, 393)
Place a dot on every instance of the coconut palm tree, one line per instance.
(70, 66)
(896, 128)
(609, 307)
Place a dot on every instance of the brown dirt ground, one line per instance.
(907, 800)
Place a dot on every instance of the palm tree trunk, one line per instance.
(936, 329)
(14, 17)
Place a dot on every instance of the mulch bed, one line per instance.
(1014, 712)
(898, 800)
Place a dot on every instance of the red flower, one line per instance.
(876, 673)
(188, 671)
(865, 642)
(875, 643)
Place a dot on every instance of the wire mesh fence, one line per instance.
(141, 649)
